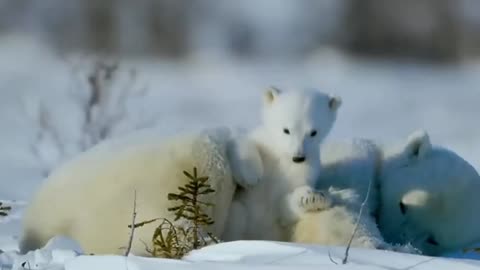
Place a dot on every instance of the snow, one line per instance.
(238, 255)
(44, 102)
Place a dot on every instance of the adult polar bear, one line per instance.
(294, 125)
(423, 195)
(429, 197)
(90, 198)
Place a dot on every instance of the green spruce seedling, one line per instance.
(172, 241)
(191, 205)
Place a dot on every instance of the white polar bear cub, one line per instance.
(429, 197)
(288, 140)
(90, 198)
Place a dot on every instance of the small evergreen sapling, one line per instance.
(191, 205)
(174, 241)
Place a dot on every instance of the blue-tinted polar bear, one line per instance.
(429, 197)
(423, 195)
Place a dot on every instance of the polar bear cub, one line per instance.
(288, 141)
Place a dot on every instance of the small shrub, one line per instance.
(174, 241)
(4, 210)
(190, 208)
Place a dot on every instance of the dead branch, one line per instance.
(345, 259)
(143, 223)
(330, 257)
(132, 229)
(46, 134)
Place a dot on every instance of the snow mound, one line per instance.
(54, 255)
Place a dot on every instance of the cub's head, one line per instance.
(297, 121)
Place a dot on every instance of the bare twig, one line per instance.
(99, 118)
(345, 259)
(143, 223)
(132, 229)
(213, 238)
(46, 135)
(101, 74)
(27, 264)
(330, 257)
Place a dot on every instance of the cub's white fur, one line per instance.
(294, 124)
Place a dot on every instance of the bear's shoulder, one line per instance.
(349, 156)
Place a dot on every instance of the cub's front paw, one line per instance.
(311, 200)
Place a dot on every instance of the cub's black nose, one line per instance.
(298, 159)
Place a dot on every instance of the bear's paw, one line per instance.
(310, 200)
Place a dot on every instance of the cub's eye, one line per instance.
(286, 131)
(313, 133)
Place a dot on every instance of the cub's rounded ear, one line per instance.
(271, 94)
(334, 102)
(418, 144)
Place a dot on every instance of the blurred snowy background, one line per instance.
(399, 65)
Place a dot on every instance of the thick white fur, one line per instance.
(352, 165)
(429, 197)
(262, 212)
(334, 225)
(424, 197)
(348, 168)
(90, 198)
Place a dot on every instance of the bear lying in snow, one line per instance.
(429, 197)
(421, 195)
(90, 198)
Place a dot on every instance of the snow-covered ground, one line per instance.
(236, 255)
(43, 110)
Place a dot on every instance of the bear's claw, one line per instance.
(311, 200)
